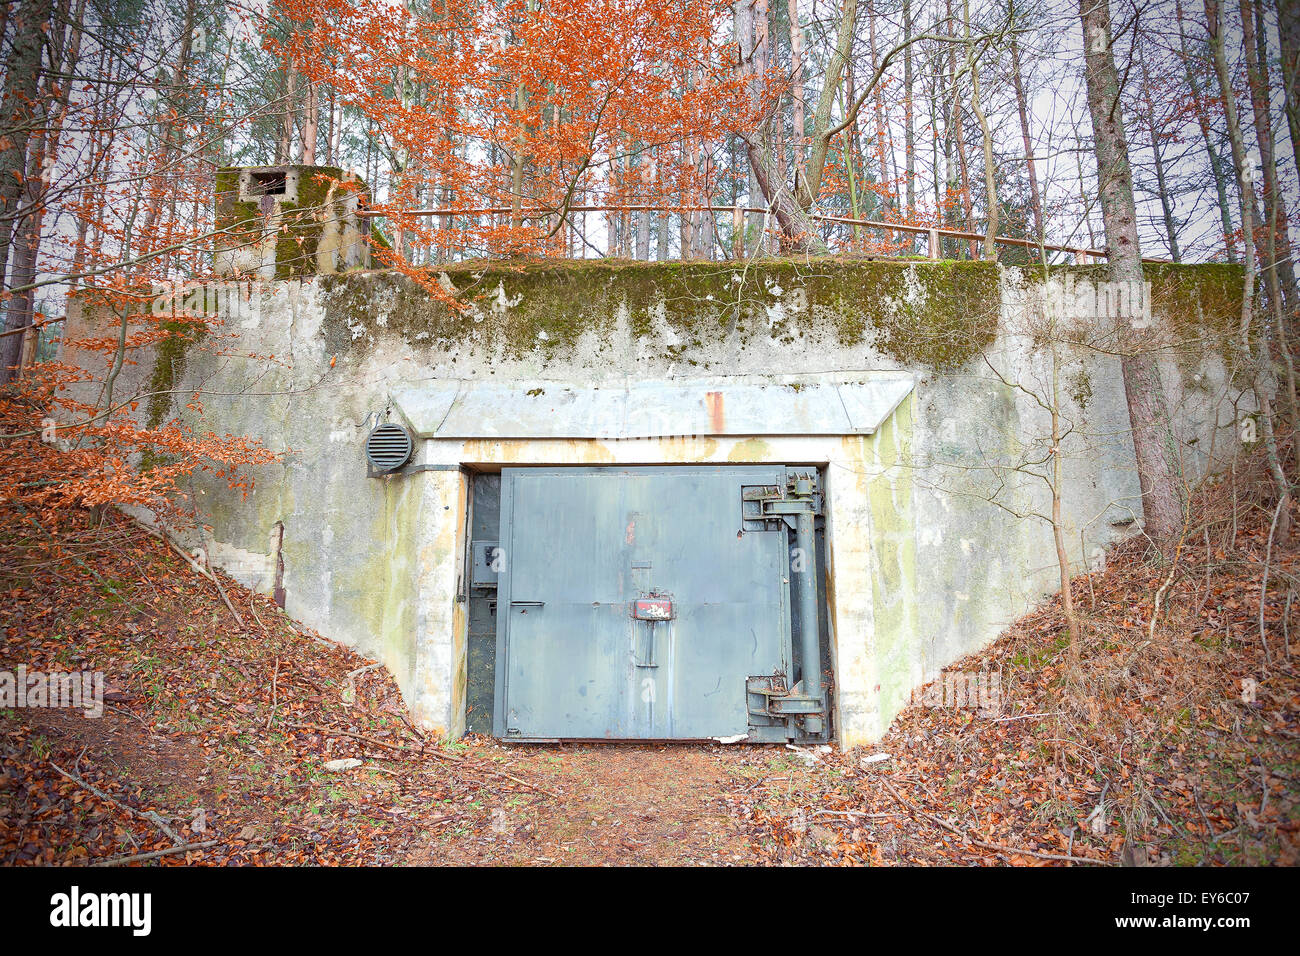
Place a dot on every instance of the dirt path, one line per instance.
(618, 805)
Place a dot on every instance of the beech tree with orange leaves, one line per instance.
(113, 207)
(519, 106)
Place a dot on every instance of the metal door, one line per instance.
(633, 604)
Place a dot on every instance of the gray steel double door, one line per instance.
(579, 547)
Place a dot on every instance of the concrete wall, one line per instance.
(933, 543)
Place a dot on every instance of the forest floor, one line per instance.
(1168, 745)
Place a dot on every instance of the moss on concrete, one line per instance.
(920, 313)
(240, 219)
(296, 223)
(1198, 303)
(1201, 302)
(168, 366)
(300, 223)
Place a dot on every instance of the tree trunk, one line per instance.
(332, 157)
(310, 125)
(990, 182)
(1279, 268)
(1288, 21)
(1154, 443)
(1157, 153)
(1022, 108)
(796, 84)
(1217, 170)
(909, 131)
(883, 157)
(644, 173)
(810, 182)
(44, 149)
(959, 134)
(284, 146)
(17, 111)
(1279, 274)
(1259, 347)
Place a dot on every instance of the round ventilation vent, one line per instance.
(388, 447)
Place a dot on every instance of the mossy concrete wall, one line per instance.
(309, 227)
(935, 537)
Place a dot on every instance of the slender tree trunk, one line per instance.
(1058, 524)
(644, 174)
(1157, 153)
(855, 157)
(517, 167)
(172, 115)
(959, 133)
(883, 158)
(909, 131)
(950, 135)
(1288, 22)
(1252, 343)
(940, 173)
(43, 152)
(796, 83)
(284, 146)
(1154, 443)
(310, 125)
(1022, 109)
(332, 157)
(1280, 269)
(1279, 275)
(1217, 170)
(811, 181)
(18, 110)
(990, 181)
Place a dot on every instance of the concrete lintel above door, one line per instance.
(840, 403)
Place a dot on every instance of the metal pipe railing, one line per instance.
(933, 233)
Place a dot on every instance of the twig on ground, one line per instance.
(1263, 585)
(147, 815)
(154, 854)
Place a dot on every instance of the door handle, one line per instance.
(528, 604)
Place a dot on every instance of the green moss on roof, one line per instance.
(937, 314)
(932, 314)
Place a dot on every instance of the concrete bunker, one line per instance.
(870, 379)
